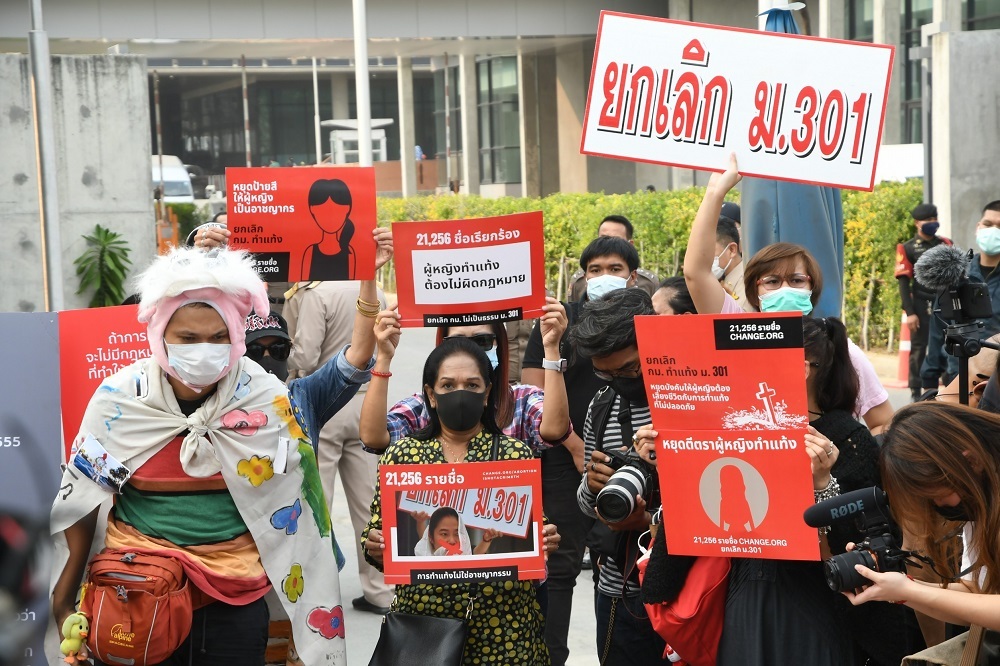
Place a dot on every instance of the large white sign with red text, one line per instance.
(686, 94)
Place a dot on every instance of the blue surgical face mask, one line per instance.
(492, 355)
(787, 299)
(988, 240)
(603, 284)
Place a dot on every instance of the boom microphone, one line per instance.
(941, 267)
(866, 500)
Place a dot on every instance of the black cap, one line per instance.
(924, 211)
(259, 327)
(731, 210)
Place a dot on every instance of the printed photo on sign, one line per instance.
(89, 458)
(93, 345)
(465, 272)
(304, 223)
(729, 407)
(686, 94)
(467, 522)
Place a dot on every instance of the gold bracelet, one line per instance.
(376, 304)
(371, 314)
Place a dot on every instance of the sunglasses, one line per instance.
(484, 341)
(279, 351)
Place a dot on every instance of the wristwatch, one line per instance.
(558, 366)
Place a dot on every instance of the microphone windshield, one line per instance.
(941, 267)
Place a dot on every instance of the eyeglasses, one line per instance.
(795, 280)
(484, 341)
(625, 373)
(279, 351)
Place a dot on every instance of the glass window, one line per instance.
(499, 121)
(860, 20)
(983, 14)
(454, 115)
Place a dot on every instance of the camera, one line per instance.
(880, 550)
(633, 476)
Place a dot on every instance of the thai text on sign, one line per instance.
(686, 94)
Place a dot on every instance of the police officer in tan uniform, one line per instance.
(619, 226)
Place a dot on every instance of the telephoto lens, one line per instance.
(616, 501)
(840, 572)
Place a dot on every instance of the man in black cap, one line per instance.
(731, 210)
(917, 299)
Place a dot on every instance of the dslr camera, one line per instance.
(633, 476)
(880, 550)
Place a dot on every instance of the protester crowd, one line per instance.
(234, 431)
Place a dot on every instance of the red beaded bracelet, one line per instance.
(376, 373)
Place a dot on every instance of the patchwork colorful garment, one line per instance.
(245, 443)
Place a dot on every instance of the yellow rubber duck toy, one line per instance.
(74, 645)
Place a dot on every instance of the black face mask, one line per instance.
(277, 368)
(958, 513)
(632, 389)
(460, 410)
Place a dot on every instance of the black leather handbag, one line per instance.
(407, 639)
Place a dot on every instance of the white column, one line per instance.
(886, 29)
(680, 10)
(407, 137)
(339, 96)
(832, 19)
(948, 12)
(362, 85)
(470, 123)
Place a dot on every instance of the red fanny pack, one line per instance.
(691, 624)
(139, 607)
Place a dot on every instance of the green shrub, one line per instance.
(873, 223)
(189, 216)
(103, 267)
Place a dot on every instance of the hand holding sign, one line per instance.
(725, 181)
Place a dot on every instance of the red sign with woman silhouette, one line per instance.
(308, 223)
(729, 407)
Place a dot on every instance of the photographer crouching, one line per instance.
(620, 489)
(941, 470)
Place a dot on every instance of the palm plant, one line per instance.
(103, 267)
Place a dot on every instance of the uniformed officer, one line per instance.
(620, 227)
(916, 298)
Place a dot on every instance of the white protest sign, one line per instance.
(507, 510)
(685, 94)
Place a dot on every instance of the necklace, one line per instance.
(457, 453)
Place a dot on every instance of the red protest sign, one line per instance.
(304, 223)
(464, 272)
(792, 107)
(730, 410)
(94, 344)
(460, 523)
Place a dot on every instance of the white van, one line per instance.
(176, 180)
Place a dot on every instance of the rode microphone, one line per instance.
(867, 502)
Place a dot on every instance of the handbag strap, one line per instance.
(970, 655)
(495, 449)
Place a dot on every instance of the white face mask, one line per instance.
(199, 364)
(602, 284)
(720, 271)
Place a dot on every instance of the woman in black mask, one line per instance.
(462, 428)
(940, 465)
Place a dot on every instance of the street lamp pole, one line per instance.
(361, 84)
(45, 150)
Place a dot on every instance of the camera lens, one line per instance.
(840, 573)
(616, 501)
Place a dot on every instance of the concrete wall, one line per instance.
(966, 128)
(101, 109)
(313, 19)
